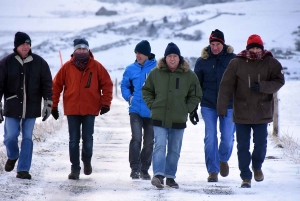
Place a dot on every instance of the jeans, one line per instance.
(213, 153)
(140, 160)
(243, 136)
(166, 164)
(12, 129)
(74, 123)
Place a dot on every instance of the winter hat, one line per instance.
(21, 38)
(172, 49)
(143, 47)
(254, 41)
(217, 35)
(81, 43)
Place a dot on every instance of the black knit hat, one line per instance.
(81, 43)
(217, 35)
(172, 49)
(143, 47)
(21, 38)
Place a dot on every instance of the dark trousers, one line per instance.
(87, 123)
(140, 159)
(243, 136)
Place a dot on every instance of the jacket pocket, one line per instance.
(240, 110)
(267, 109)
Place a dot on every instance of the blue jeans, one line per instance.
(213, 153)
(12, 129)
(140, 160)
(243, 136)
(74, 123)
(166, 164)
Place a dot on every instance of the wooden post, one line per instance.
(116, 86)
(275, 122)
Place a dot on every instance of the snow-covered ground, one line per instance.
(53, 25)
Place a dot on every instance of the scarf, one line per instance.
(81, 60)
(254, 56)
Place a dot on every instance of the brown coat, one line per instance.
(250, 107)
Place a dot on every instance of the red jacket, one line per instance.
(84, 92)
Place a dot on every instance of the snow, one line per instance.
(59, 22)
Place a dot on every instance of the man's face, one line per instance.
(255, 49)
(216, 47)
(140, 58)
(172, 61)
(23, 49)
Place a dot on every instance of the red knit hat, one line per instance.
(254, 41)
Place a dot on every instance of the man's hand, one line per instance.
(194, 116)
(46, 110)
(1, 113)
(55, 113)
(104, 109)
(255, 87)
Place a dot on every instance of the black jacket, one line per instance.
(23, 83)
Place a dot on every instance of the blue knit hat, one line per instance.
(81, 43)
(172, 49)
(143, 47)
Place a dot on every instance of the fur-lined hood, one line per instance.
(162, 65)
(206, 52)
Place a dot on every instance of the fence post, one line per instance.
(116, 86)
(275, 122)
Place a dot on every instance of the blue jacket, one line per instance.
(210, 69)
(133, 80)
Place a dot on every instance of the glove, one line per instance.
(255, 87)
(222, 116)
(104, 109)
(1, 113)
(47, 109)
(55, 113)
(194, 116)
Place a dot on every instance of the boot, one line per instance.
(135, 174)
(145, 175)
(23, 175)
(87, 168)
(172, 183)
(10, 165)
(158, 181)
(258, 175)
(213, 177)
(224, 169)
(74, 175)
(246, 183)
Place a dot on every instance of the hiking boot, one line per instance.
(10, 165)
(87, 168)
(246, 183)
(213, 177)
(74, 175)
(135, 174)
(145, 175)
(224, 169)
(171, 183)
(158, 181)
(23, 175)
(258, 175)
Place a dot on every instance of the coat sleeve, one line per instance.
(58, 85)
(226, 90)
(148, 90)
(46, 81)
(198, 71)
(195, 93)
(125, 85)
(276, 79)
(106, 86)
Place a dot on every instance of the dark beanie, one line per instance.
(143, 47)
(81, 43)
(254, 41)
(172, 49)
(217, 35)
(21, 38)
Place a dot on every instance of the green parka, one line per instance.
(171, 95)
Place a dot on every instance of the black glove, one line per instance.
(46, 110)
(222, 116)
(255, 87)
(1, 113)
(55, 113)
(104, 109)
(194, 116)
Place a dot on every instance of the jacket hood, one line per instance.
(205, 53)
(161, 65)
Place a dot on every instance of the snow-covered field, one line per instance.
(53, 25)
